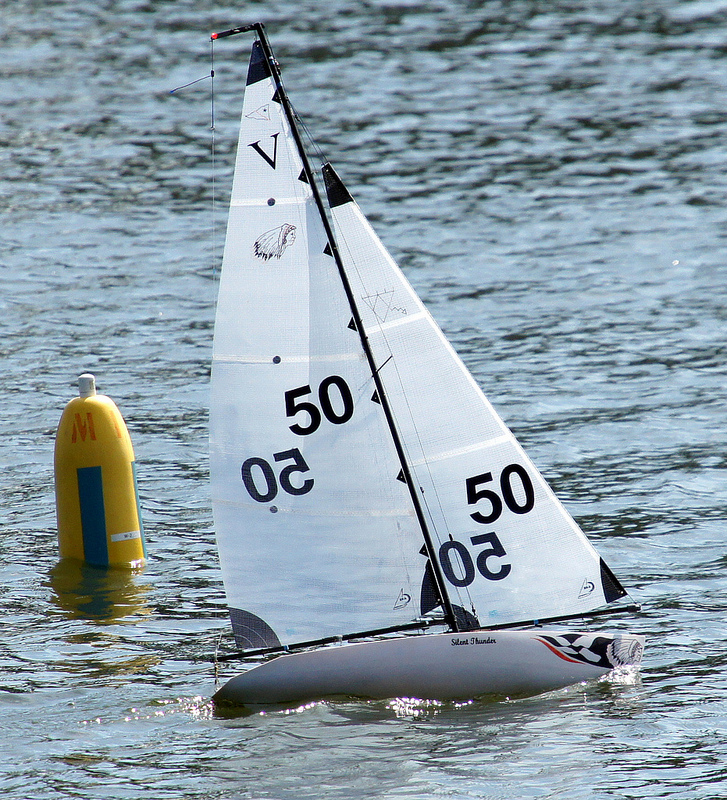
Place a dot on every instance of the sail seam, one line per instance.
(364, 512)
(264, 203)
(395, 323)
(288, 359)
(473, 448)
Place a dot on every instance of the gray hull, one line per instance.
(445, 666)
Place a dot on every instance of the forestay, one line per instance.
(316, 530)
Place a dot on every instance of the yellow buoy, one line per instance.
(97, 502)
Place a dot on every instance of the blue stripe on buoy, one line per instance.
(93, 517)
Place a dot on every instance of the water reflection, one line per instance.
(108, 594)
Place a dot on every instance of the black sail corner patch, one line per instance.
(429, 597)
(336, 191)
(259, 68)
(612, 589)
(250, 631)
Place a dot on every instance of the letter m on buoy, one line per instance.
(83, 428)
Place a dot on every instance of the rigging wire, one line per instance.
(216, 660)
(428, 468)
(433, 527)
(320, 155)
(211, 78)
(187, 85)
(214, 164)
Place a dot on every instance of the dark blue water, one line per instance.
(552, 178)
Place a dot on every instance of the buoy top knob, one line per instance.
(86, 385)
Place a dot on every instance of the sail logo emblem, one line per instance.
(381, 304)
(586, 589)
(402, 600)
(272, 244)
(262, 113)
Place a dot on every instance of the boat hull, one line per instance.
(449, 666)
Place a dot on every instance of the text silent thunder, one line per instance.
(458, 641)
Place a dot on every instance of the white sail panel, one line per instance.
(507, 548)
(315, 534)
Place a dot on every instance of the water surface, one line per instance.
(551, 176)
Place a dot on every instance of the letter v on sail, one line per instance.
(369, 513)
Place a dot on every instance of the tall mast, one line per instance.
(406, 472)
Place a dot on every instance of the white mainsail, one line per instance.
(317, 533)
(316, 537)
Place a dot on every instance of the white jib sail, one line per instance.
(316, 536)
(508, 549)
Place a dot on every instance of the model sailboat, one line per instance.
(377, 523)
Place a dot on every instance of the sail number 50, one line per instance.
(335, 403)
(337, 413)
(466, 565)
(265, 490)
(458, 565)
(519, 503)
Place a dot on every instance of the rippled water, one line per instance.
(552, 178)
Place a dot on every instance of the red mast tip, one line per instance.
(214, 36)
